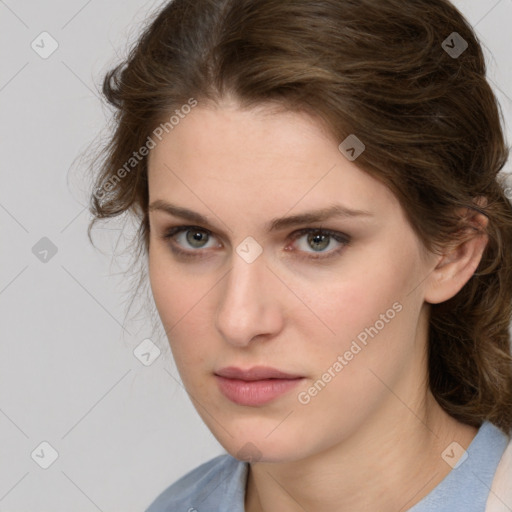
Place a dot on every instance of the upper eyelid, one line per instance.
(184, 227)
(179, 229)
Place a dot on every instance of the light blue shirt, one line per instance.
(219, 484)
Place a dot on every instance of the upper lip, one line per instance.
(255, 373)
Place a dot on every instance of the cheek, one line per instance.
(368, 352)
(361, 294)
(176, 293)
(371, 317)
(181, 299)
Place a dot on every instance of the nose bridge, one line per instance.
(244, 276)
(245, 307)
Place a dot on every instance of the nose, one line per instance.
(249, 306)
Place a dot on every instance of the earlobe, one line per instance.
(459, 262)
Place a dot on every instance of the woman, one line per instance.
(329, 249)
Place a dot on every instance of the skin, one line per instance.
(372, 439)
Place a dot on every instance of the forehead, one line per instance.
(231, 132)
(258, 159)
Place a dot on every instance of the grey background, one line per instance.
(123, 431)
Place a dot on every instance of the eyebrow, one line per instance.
(335, 210)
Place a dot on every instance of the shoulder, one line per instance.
(500, 497)
(219, 480)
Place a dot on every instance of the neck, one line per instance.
(388, 468)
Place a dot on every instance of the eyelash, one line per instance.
(339, 237)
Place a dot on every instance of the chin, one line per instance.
(262, 447)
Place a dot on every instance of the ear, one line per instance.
(460, 260)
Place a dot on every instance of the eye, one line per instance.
(319, 239)
(197, 238)
(192, 236)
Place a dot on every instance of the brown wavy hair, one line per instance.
(379, 69)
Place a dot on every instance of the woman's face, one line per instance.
(343, 309)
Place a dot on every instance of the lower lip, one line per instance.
(256, 392)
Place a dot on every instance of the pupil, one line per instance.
(319, 238)
(194, 237)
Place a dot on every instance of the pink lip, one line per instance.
(256, 386)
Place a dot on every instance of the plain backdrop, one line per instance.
(85, 425)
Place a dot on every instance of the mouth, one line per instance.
(256, 386)
(255, 373)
